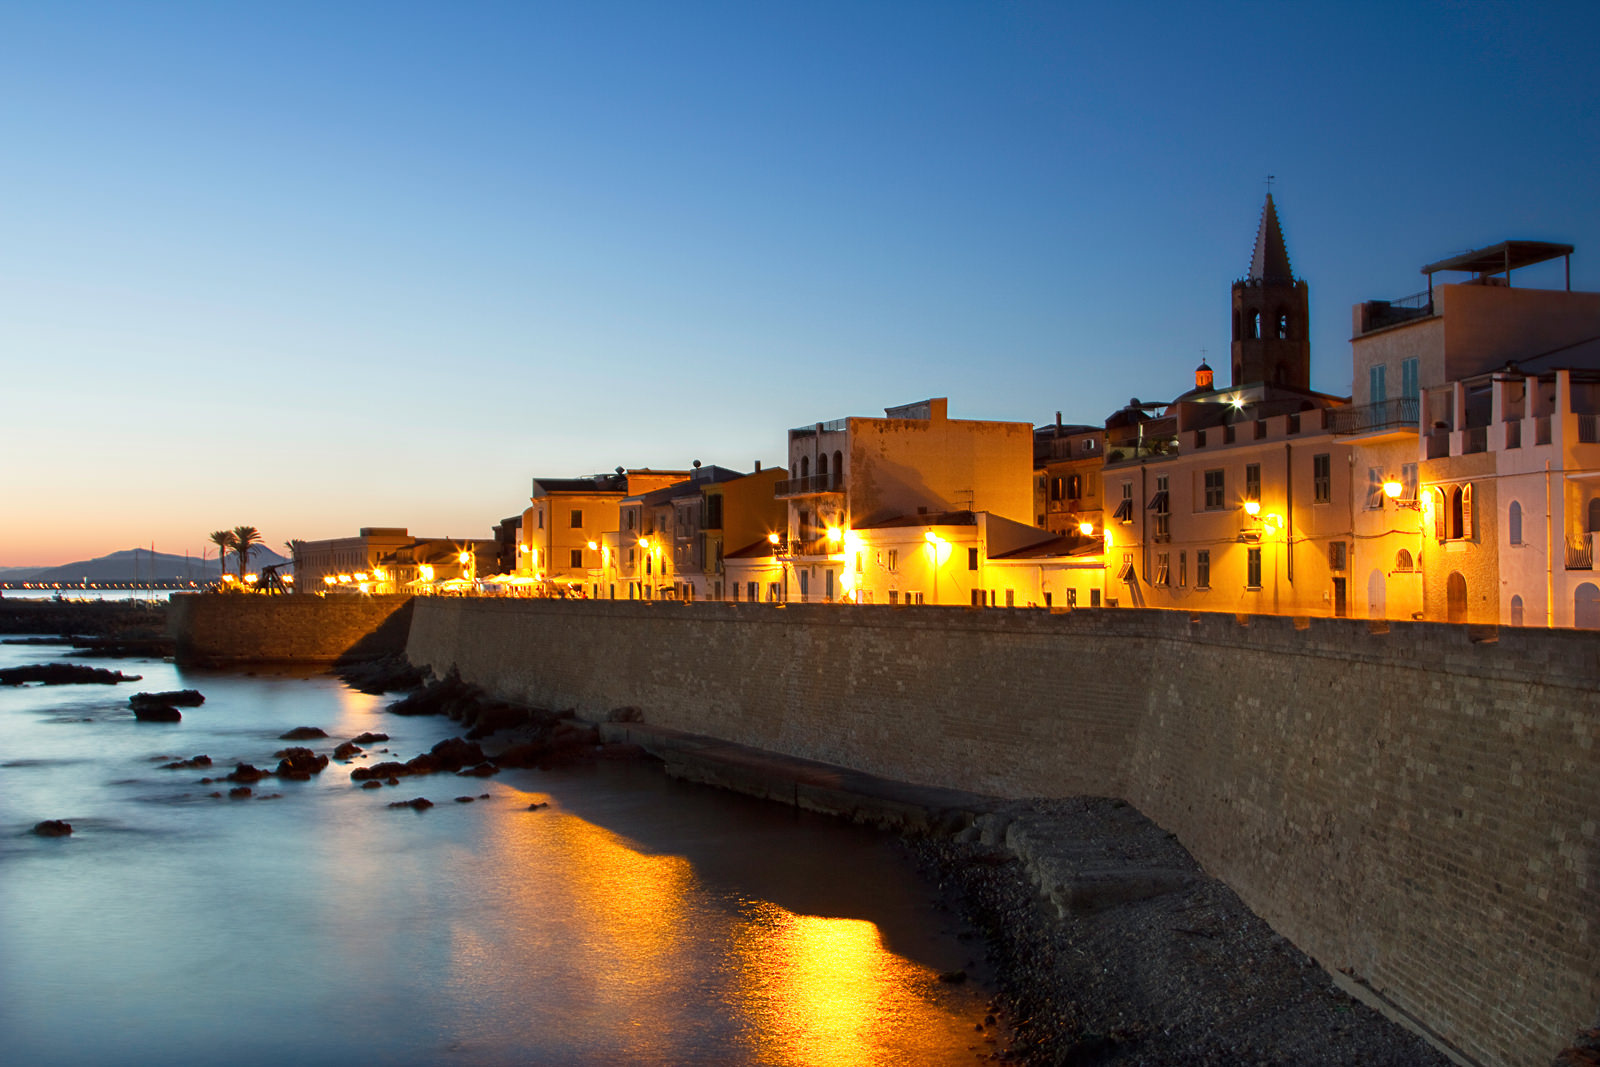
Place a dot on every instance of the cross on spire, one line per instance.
(1270, 179)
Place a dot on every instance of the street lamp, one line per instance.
(934, 541)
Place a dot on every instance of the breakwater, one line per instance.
(232, 629)
(1413, 807)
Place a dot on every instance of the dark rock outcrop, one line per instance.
(245, 772)
(346, 751)
(299, 764)
(179, 698)
(368, 739)
(193, 763)
(303, 733)
(64, 674)
(386, 674)
(387, 769)
(415, 804)
(53, 828)
(157, 713)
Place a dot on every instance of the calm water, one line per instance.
(634, 920)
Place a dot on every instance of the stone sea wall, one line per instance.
(1416, 807)
(221, 629)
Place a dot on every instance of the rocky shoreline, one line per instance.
(1111, 946)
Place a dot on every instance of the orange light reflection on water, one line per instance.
(821, 990)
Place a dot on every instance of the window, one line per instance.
(1374, 487)
(1161, 505)
(774, 592)
(1057, 488)
(1514, 523)
(1336, 555)
(714, 511)
(1074, 486)
(1183, 569)
(1283, 325)
(1199, 439)
(630, 520)
(805, 584)
(1126, 573)
(1252, 569)
(541, 518)
(1227, 434)
(1377, 387)
(1408, 379)
(1516, 611)
(972, 559)
(1162, 574)
(1460, 517)
(1252, 481)
(750, 591)
(827, 582)
(894, 558)
(1408, 481)
(1047, 600)
(1402, 562)
(1202, 568)
(1094, 598)
(577, 557)
(1322, 478)
(1124, 512)
(977, 598)
(1214, 490)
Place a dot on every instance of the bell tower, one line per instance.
(1271, 339)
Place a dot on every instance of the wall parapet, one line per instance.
(213, 628)
(1414, 807)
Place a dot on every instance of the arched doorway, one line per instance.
(1376, 606)
(1516, 610)
(1456, 596)
(1586, 607)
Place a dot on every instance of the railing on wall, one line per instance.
(1401, 412)
(1588, 429)
(1580, 552)
(811, 483)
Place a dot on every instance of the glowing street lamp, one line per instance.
(934, 541)
(1252, 508)
(1086, 529)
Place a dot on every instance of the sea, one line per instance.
(601, 913)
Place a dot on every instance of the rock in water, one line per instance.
(53, 828)
(347, 750)
(368, 739)
(299, 764)
(178, 698)
(303, 733)
(157, 713)
(415, 804)
(64, 674)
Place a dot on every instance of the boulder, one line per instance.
(239, 792)
(178, 698)
(347, 750)
(244, 772)
(368, 739)
(299, 764)
(303, 733)
(497, 717)
(372, 784)
(53, 828)
(415, 804)
(157, 713)
(481, 770)
(187, 764)
(379, 770)
(453, 753)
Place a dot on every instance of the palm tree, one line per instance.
(223, 539)
(245, 539)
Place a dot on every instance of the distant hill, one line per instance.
(135, 565)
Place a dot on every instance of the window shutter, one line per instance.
(1441, 516)
(1468, 527)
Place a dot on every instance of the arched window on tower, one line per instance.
(838, 469)
(1255, 325)
(822, 467)
(805, 466)
(1514, 522)
(1283, 325)
(1235, 324)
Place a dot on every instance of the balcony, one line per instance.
(794, 548)
(1397, 414)
(834, 426)
(810, 485)
(1580, 552)
(1474, 439)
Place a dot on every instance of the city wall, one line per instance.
(1416, 807)
(211, 629)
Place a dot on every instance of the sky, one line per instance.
(312, 267)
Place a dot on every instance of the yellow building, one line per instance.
(560, 542)
(863, 471)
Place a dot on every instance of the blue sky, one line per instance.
(312, 267)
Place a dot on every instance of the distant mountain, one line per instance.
(135, 565)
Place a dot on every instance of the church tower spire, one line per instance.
(1271, 342)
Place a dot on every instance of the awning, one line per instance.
(1126, 573)
(1124, 512)
(1158, 502)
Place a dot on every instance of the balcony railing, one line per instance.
(1580, 552)
(1587, 428)
(789, 549)
(1474, 439)
(810, 484)
(1401, 413)
(833, 426)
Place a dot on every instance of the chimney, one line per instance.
(758, 466)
